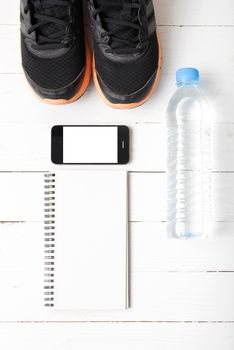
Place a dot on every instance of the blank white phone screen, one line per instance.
(90, 145)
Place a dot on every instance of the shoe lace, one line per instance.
(122, 23)
(52, 21)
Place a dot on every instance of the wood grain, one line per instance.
(26, 146)
(169, 12)
(116, 336)
(174, 40)
(181, 292)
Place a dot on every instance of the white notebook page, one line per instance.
(91, 240)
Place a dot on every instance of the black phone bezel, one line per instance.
(57, 144)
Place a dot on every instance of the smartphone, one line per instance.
(102, 144)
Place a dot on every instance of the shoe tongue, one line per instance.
(41, 7)
(125, 13)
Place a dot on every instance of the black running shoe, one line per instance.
(127, 55)
(55, 56)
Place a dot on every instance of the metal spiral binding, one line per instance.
(49, 238)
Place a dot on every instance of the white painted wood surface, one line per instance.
(181, 292)
(148, 336)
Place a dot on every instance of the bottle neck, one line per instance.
(193, 83)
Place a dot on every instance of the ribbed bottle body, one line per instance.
(188, 164)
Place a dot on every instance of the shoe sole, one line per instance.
(84, 85)
(136, 104)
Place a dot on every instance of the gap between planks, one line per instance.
(117, 322)
(128, 171)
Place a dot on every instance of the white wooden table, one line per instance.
(182, 293)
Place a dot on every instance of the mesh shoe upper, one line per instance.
(54, 73)
(52, 42)
(125, 44)
(127, 77)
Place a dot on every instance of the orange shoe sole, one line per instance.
(130, 105)
(83, 88)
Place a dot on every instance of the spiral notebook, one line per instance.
(86, 245)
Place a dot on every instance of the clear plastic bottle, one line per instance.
(188, 159)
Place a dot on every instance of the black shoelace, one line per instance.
(129, 20)
(54, 29)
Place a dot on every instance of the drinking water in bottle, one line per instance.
(188, 159)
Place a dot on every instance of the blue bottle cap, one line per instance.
(187, 76)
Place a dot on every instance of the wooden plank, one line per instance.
(148, 199)
(150, 248)
(148, 145)
(174, 40)
(189, 12)
(18, 102)
(10, 13)
(199, 39)
(21, 247)
(116, 336)
(22, 197)
(169, 12)
(10, 61)
(190, 295)
(14, 88)
(155, 296)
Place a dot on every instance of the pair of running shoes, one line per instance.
(58, 62)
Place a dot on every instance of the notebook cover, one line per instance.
(90, 241)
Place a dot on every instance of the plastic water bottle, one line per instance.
(188, 159)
